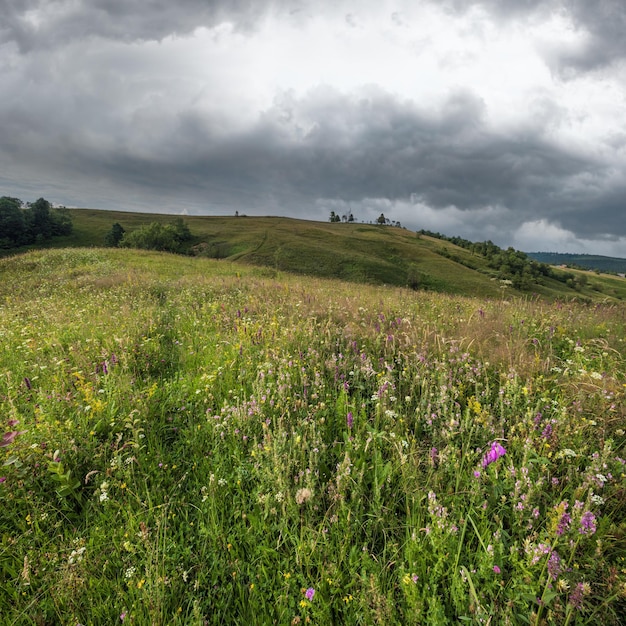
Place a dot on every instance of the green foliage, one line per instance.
(156, 236)
(12, 223)
(35, 224)
(114, 236)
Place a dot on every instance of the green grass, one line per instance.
(189, 441)
(356, 252)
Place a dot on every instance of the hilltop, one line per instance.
(359, 253)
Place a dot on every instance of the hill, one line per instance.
(355, 252)
(586, 261)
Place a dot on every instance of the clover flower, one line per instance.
(309, 593)
(587, 523)
(495, 452)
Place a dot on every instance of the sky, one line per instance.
(494, 119)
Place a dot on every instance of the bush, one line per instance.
(156, 236)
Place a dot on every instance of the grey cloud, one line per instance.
(602, 22)
(352, 147)
(63, 21)
(605, 23)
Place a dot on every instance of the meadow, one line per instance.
(191, 441)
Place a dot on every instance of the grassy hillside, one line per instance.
(355, 252)
(188, 442)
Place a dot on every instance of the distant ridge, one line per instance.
(586, 261)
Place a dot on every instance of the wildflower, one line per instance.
(494, 453)
(8, 438)
(564, 521)
(496, 569)
(2, 479)
(587, 523)
(434, 455)
(123, 616)
(309, 593)
(76, 556)
(303, 495)
(349, 419)
(554, 565)
(576, 597)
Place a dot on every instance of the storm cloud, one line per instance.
(487, 119)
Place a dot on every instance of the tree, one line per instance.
(381, 219)
(157, 236)
(181, 229)
(38, 219)
(114, 236)
(61, 222)
(12, 223)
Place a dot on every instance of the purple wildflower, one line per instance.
(587, 523)
(565, 520)
(434, 455)
(350, 419)
(494, 453)
(2, 479)
(496, 569)
(309, 593)
(27, 382)
(576, 597)
(9, 437)
(554, 565)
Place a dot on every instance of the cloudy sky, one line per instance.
(490, 119)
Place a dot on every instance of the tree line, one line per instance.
(22, 223)
(509, 264)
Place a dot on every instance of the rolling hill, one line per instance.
(349, 251)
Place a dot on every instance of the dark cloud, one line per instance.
(604, 22)
(354, 147)
(34, 24)
(108, 126)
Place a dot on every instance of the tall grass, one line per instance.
(190, 442)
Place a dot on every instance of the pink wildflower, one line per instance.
(494, 453)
